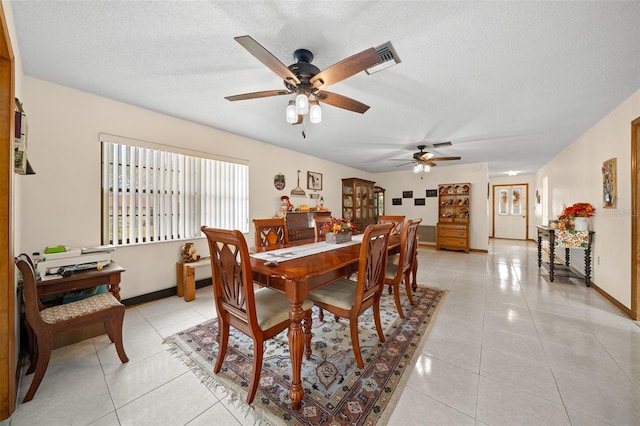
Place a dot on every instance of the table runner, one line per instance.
(296, 252)
(570, 238)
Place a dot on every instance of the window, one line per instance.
(152, 193)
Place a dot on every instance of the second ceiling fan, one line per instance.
(424, 158)
(307, 81)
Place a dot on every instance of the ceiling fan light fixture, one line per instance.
(292, 112)
(426, 168)
(315, 112)
(418, 168)
(302, 104)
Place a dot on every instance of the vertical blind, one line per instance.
(157, 195)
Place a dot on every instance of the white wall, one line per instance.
(61, 203)
(477, 174)
(575, 176)
(533, 209)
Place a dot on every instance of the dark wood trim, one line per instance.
(635, 220)
(161, 294)
(8, 365)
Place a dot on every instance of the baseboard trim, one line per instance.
(613, 301)
(161, 294)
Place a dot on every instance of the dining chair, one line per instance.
(43, 324)
(397, 221)
(259, 313)
(400, 270)
(318, 221)
(348, 299)
(270, 232)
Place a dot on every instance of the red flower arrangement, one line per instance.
(338, 226)
(578, 210)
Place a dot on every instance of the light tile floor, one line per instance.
(507, 348)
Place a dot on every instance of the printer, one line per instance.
(56, 261)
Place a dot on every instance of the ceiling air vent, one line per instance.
(388, 58)
(441, 144)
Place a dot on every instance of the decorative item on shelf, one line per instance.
(188, 253)
(286, 204)
(338, 230)
(575, 216)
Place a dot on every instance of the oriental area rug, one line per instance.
(337, 392)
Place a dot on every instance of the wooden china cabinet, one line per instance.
(358, 198)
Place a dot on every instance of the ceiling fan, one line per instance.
(307, 81)
(424, 160)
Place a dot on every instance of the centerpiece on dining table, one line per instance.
(338, 230)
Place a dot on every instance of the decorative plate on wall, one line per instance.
(279, 182)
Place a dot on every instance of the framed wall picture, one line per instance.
(432, 193)
(419, 202)
(396, 201)
(609, 184)
(407, 194)
(314, 181)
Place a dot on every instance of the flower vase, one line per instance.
(580, 224)
(341, 237)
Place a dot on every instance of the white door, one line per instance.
(510, 212)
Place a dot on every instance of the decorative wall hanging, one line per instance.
(21, 165)
(279, 182)
(407, 194)
(432, 192)
(314, 181)
(396, 201)
(609, 184)
(419, 202)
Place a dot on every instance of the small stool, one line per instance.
(186, 277)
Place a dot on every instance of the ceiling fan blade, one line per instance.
(345, 68)
(255, 95)
(264, 56)
(443, 158)
(404, 164)
(342, 102)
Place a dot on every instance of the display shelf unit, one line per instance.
(454, 209)
(358, 202)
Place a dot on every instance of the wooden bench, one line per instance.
(186, 277)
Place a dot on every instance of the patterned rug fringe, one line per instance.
(222, 390)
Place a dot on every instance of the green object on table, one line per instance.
(55, 249)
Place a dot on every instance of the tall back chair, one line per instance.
(45, 323)
(260, 314)
(271, 232)
(348, 299)
(400, 268)
(318, 221)
(397, 221)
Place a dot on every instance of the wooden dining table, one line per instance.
(296, 278)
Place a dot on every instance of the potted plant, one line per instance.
(577, 214)
(338, 230)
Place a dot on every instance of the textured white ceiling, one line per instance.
(510, 83)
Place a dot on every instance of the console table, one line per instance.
(300, 224)
(109, 275)
(566, 239)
